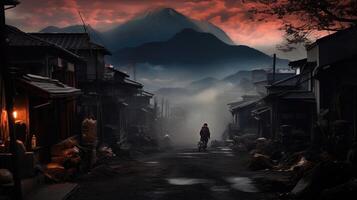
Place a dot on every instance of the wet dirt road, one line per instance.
(180, 174)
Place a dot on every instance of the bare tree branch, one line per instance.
(302, 18)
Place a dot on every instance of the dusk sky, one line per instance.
(230, 15)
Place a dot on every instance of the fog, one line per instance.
(192, 105)
(155, 77)
(189, 111)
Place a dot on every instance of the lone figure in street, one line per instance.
(205, 136)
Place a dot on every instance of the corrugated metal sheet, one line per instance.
(133, 83)
(51, 87)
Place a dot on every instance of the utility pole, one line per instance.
(134, 71)
(274, 65)
(167, 109)
(7, 76)
(162, 108)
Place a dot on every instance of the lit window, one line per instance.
(298, 70)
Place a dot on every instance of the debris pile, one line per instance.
(310, 173)
(245, 142)
(104, 153)
(65, 160)
(5, 177)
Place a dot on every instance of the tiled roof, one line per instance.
(260, 110)
(299, 95)
(133, 83)
(71, 41)
(17, 38)
(298, 63)
(110, 71)
(243, 104)
(146, 93)
(290, 81)
(51, 88)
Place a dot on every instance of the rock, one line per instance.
(260, 162)
(60, 148)
(273, 182)
(5, 176)
(240, 148)
(343, 191)
(105, 152)
(324, 175)
(55, 172)
(216, 143)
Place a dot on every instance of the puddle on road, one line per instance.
(225, 149)
(220, 189)
(186, 181)
(222, 152)
(186, 157)
(243, 184)
(152, 162)
(192, 153)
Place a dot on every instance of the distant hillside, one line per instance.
(237, 77)
(203, 83)
(192, 48)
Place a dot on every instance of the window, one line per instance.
(298, 71)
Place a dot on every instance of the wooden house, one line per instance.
(90, 74)
(117, 91)
(32, 55)
(45, 108)
(335, 84)
(243, 122)
(45, 97)
(291, 103)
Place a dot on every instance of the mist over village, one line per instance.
(179, 99)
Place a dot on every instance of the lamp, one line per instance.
(14, 114)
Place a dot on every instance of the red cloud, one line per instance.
(230, 15)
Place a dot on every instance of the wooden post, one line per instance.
(354, 115)
(274, 66)
(9, 99)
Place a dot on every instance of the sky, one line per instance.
(230, 15)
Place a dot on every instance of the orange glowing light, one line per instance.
(14, 114)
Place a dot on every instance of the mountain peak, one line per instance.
(166, 10)
(162, 12)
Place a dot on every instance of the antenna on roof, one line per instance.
(84, 24)
(89, 44)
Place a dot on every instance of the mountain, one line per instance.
(203, 83)
(157, 25)
(173, 92)
(197, 50)
(235, 83)
(237, 77)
